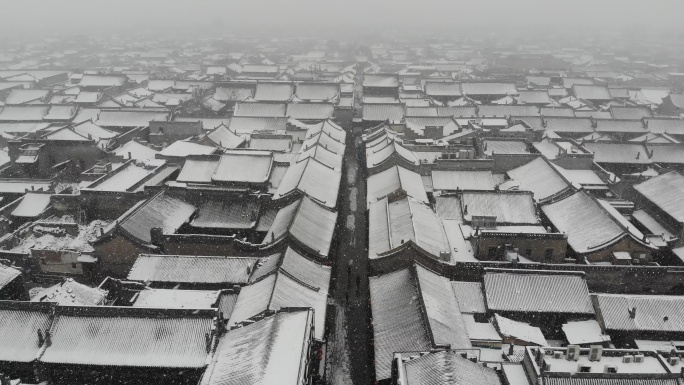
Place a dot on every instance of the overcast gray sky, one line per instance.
(85, 15)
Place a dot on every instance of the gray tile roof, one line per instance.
(382, 112)
(129, 336)
(442, 89)
(19, 323)
(311, 178)
(539, 177)
(610, 381)
(163, 211)
(656, 313)
(667, 192)
(310, 111)
(192, 269)
(497, 89)
(271, 350)
(588, 225)
(557, 111)
(630, 112)
(317, 91)
(508, 208)
(385, 81)
(390, 225)
(537, 293)
(441, 309)
(619, 153)
(591, 92)
(306, 222)
(7, 274)
(470, 297)
(507, 110)
(222, 214)
(398, 322)
(568, 125)
(665, 125)
(280, 290)
(274, 92)
(535, 97)
(259, 109)
(448, 368)
(620, 126)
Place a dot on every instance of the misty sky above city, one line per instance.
(73, 16)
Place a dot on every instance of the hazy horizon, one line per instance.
(334, 18)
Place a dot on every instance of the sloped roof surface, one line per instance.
(307, 222)
(398, 322)
(667, 192)
(266, 352)
(393, 179)
(540, 178)
(511, 208)
(221, 214)
(163, 211)
(537, 293)
(448, 368)
(191, 269)
(19, 322)
(127, 336)
(588, 226)
(244, 168)
(656, 313)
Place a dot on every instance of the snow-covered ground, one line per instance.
(338, 351)
(43, 240)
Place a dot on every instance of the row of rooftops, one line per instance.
(559, 191)
(154, 338)
(394, 163)
(450, 314)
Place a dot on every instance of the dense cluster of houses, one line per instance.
(169, 214)
(173, 209)
(523, 216)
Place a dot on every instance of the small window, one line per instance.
(73, 265)
(483, 221)
(585, 369)
(548, 254)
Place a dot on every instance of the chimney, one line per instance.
(41, 339)
(207, 341)
(156, 236)
(129, 155)
(632, 312)
(48, 339)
